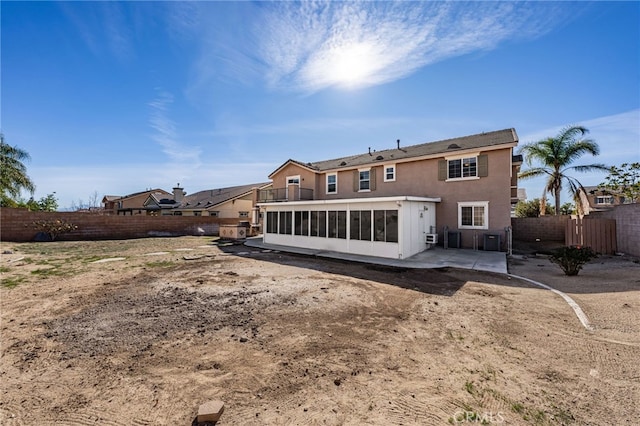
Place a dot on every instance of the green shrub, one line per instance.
(571, 259)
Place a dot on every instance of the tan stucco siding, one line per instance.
(134, 202)
(231, 209)
(307, 177)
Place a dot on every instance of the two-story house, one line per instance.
(595, 198)
(235, 202)
(131, 204)
(395, 202)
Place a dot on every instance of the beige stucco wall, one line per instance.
(307, 178)
(231, 209)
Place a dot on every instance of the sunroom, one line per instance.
(392, 227)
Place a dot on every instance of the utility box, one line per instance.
(492, 242)
(233, 232)
(453, 239)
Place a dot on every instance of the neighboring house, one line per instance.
(109, 203)
(236, 202)
(131, 204)
(596, 198)
(392, 203)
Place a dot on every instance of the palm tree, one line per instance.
(555, 154)
(13, 174)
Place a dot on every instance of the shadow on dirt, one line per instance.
(447, 281)
(441, 282)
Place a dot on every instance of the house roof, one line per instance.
(213, 197)
(158, 192)
(447, 146)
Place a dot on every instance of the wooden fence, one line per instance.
(599, 234)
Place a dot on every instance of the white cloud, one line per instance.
(166, 134)
(312, 46)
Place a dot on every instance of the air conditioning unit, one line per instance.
(432, 238)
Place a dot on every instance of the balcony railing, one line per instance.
(284, 194)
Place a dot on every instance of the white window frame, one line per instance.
(360, 180)
(336, 183)
(462, 158)
(604, 200)
(243, 214)
(473, 205)
(389, 166)
(291, 179)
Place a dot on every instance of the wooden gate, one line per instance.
(599, 234)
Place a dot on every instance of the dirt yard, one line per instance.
(142, 332)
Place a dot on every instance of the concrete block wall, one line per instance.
(17, 225)
(544, 228)
(627, 217)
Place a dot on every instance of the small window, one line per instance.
(473, 215)
(293, 180)
(365, 180)
(197, 213)
(214, 213)
(604, 199)
(244, 214)
(332, 183)
(389, 173)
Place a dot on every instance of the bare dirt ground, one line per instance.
(169, 323)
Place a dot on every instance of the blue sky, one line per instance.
(117, 97)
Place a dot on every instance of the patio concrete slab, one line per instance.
(437, 257)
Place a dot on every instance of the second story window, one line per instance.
(389, 173)
(604, 199)
(332, 183)
(463, 168)
(244, 214)
(364, 180)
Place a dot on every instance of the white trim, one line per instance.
(293, 177)
(326, 181)
(384, 172)
(485, 218)
(461, 178)
(461, 156)
(397, 199)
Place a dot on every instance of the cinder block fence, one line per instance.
(17, 225)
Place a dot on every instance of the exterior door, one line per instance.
(293, 188)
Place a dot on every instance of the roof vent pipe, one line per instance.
(398, 142)
(370, 151)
